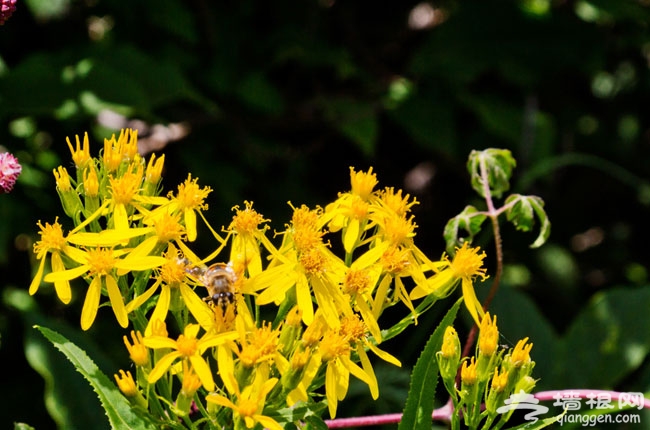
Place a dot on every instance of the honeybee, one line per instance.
(219, 279)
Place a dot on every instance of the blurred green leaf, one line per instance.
(609, 338)
(356, 120)
(256, 90)
(429, 121)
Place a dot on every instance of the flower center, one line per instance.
(468, 263)
(246, 221)
(186, 345)
(101, 261)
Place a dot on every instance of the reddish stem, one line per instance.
(444, 413)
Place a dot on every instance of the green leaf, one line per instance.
(469, 220)
(260, 94)
(424, 379)
(301, 411)
(522, 214)
(357, 120)
(609, 338)
(118, 410)
(495, 166)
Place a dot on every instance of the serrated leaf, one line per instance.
(424, 379)
(495, 166)
(118, 410)
(469, 220)
(522, 216)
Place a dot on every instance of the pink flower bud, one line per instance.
(7, 7)
(9, 171)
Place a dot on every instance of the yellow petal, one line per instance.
(62, 287)
(107, 238)
(268, 422)
(156, 342)
(36, 282)
(162, 307)
(471, 302)
(226, 366)
(142, 298)
(203, 372)
(220, 400)
(66, 275)
(367, 367)
(138, 263)
(368, 318)
(303, 297)
(198, 308)
(120, 217)
(117, 302)
(162, 365)
(351, 235)
(330, 389)
(384, 355)
(190, 224)
(327, 300)
(91, 304)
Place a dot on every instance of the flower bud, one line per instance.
(449, 356)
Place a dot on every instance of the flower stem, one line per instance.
(441, 414)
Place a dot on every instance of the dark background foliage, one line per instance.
(272, 102)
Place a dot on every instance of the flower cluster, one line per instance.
(267, 327)
(491, 376)
(10, 169)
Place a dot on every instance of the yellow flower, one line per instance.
(53, 242)
(258, 345)
(521, 353)
(154, 169)
(248, 235)
(499, 381)
(191, 381)
(334, 350)
(488, 336)
(102, 264)
(249, 403)
(80, 155)
(186, 347)
(308, 265)
(464, 268)
(137, 352)
(91, 182)
(468, 373)
(394, 202)
(356, 332)
(68, 195)
(126, 384)
(450, 344)
(189, 200)
(124, 148)
(172, 275)
(363, 183)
